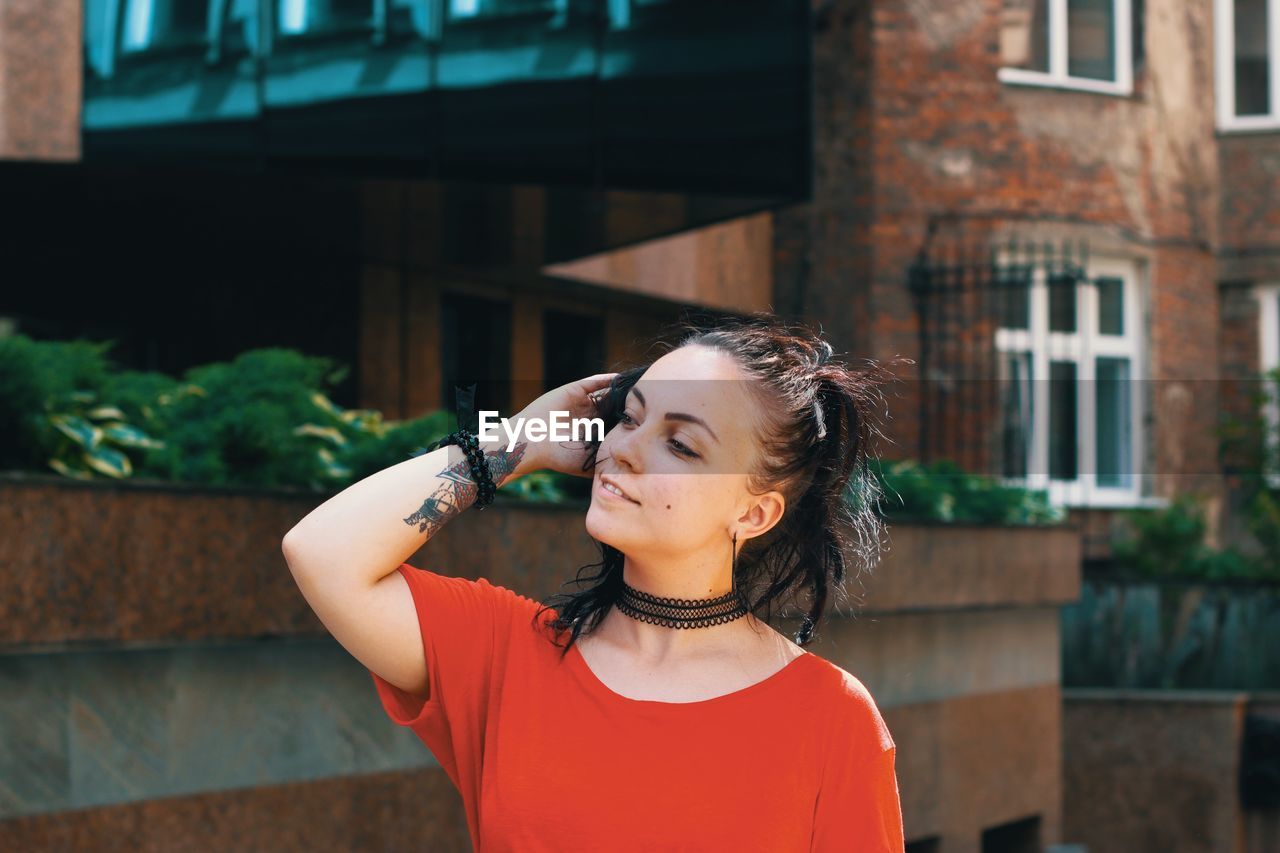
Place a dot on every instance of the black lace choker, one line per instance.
(680, 612)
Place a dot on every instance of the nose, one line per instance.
(622, 447)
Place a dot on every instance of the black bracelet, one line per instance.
(475, 456)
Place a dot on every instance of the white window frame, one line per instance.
(1224, 27)
(1082, 346)
(1057, 75)
(1268, 296)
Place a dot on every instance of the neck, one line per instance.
(694, 578)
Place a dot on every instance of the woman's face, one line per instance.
(681, 451)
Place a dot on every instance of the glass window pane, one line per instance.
(1114, 422)
(1253, 66)
(1062, 421)
(1013, 297)
(157, 24)
(572, 347)
(1024, 35)
(461, 10)
(1015, 413)
(1062, 302)
(1138, 34)
(1110, 306)
(476, 348)
(297, 17)
(1091, 39)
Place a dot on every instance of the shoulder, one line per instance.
(471, 599)
(846, 705)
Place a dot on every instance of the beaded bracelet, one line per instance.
(470, 445)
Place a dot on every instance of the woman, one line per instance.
(655, 709)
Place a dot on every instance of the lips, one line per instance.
(606, 481)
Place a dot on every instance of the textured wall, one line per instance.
(158, 659)
(406, 810)
(978, 761)
(40, 79)
(122, 725)
(1250, 215)
(1152, 770)
(145, 562)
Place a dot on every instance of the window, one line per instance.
(572, 347)
(139, 32)
(1019, 836)
(310, 17)
(1077, 44)
(150, 25)
(460, 10)
(1247, 35)
(476, 348)
(924, 845)
(1268, 360)
(1069, 356)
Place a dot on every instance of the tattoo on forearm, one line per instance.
(458, 491)
(503, 464)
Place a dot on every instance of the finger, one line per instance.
(596, 387)
(597, 380)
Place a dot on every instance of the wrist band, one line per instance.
(475, 456)
(466, 439)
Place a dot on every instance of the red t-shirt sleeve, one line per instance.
(858, 806)
(465, 625)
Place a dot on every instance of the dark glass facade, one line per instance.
(676, 95)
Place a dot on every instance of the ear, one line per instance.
(764, 512)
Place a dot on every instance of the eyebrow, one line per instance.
(679, 416)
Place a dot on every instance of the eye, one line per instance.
(625, 418)
(682, 450)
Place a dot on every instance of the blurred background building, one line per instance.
(1062, 210)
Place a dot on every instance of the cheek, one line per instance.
(684, 500)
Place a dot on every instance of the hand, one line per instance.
(576, 398)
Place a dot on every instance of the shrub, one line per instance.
(52, 410)
(263, 419)
(1250, 448)
(942, 491)
(1169, 543)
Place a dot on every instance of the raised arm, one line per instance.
(344, 553)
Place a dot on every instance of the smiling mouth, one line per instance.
(616, 492)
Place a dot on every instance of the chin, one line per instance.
(593, 522)
(598, 526)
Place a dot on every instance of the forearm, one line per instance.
(367, 530)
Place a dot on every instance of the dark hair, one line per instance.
(816, 429)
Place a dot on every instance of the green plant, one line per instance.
(84, 437)
(53, 409)
(373, 444)
(1250, 448)
(942, 491)
(34, 377)
(247, 423)
(540, 487)
(1169, 543)
(263, 419)
(1264, 524)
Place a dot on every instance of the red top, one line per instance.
(548, 758)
